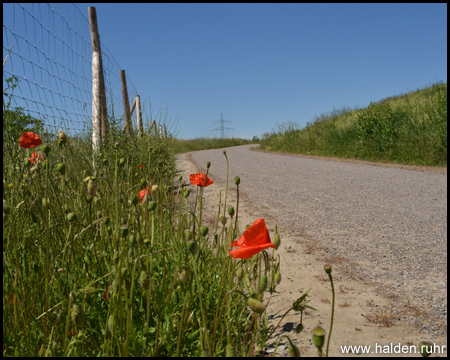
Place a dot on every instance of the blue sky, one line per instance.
(263, 64)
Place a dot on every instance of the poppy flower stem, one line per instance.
(226, 188)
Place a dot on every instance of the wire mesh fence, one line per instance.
(50, 56)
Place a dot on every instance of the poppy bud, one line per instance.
(188, 234)
(46, 149)
(239, 274)
(62, 136)
(89, 178)
(299, 328)
(277, 277)
(318, 335)
(230, 211)
(256, 306)
(237, 180)
(122, 162)
(208, 165)
(144, 280)
(89, 199)
(203, 230)
(46, 203)
(262, 285)
(106, 221)
(155, 188)
(180, 178)
(77, 315)
(294, 351)
(71, 217)
(146, 241)
(426, 348)
(192, 247)
(6, 208)
(328, 269)
(123, 230)
(143, 183)
(91, 188)
(99, 214)
(111, 322)
(183, 276)
(27, 162)
(186, 193)
(223, 219)
(152, 205)
(61, 168)
(276, 239)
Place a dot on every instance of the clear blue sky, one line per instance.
(263, 64)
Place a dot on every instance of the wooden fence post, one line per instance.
(96, 103)
(139, 115)
(126, 104)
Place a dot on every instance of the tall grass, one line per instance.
(182, 146)
(408, 129)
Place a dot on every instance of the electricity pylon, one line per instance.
(222, 128)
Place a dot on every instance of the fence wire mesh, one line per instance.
(50, 55)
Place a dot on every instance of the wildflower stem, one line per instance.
(332, 312)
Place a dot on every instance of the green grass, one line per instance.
(182, 146)
(408, 129)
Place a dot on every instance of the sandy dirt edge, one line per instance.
(361, 312)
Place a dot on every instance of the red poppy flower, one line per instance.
(142, 193)
(36, 156)
(199, 178)
(140, 166)
(29, 140)
(252, 241)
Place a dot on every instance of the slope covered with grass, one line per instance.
(409, 129)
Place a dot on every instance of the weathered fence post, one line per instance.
(139, 115)
(137, 104)
(126, 104)
(96, 103)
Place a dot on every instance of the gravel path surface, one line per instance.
(390, 223)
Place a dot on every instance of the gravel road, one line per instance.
(390, 223)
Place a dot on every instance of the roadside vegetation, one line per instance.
(182, 146)
(106, 254)
(407, 129)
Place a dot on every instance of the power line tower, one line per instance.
(222, 128)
